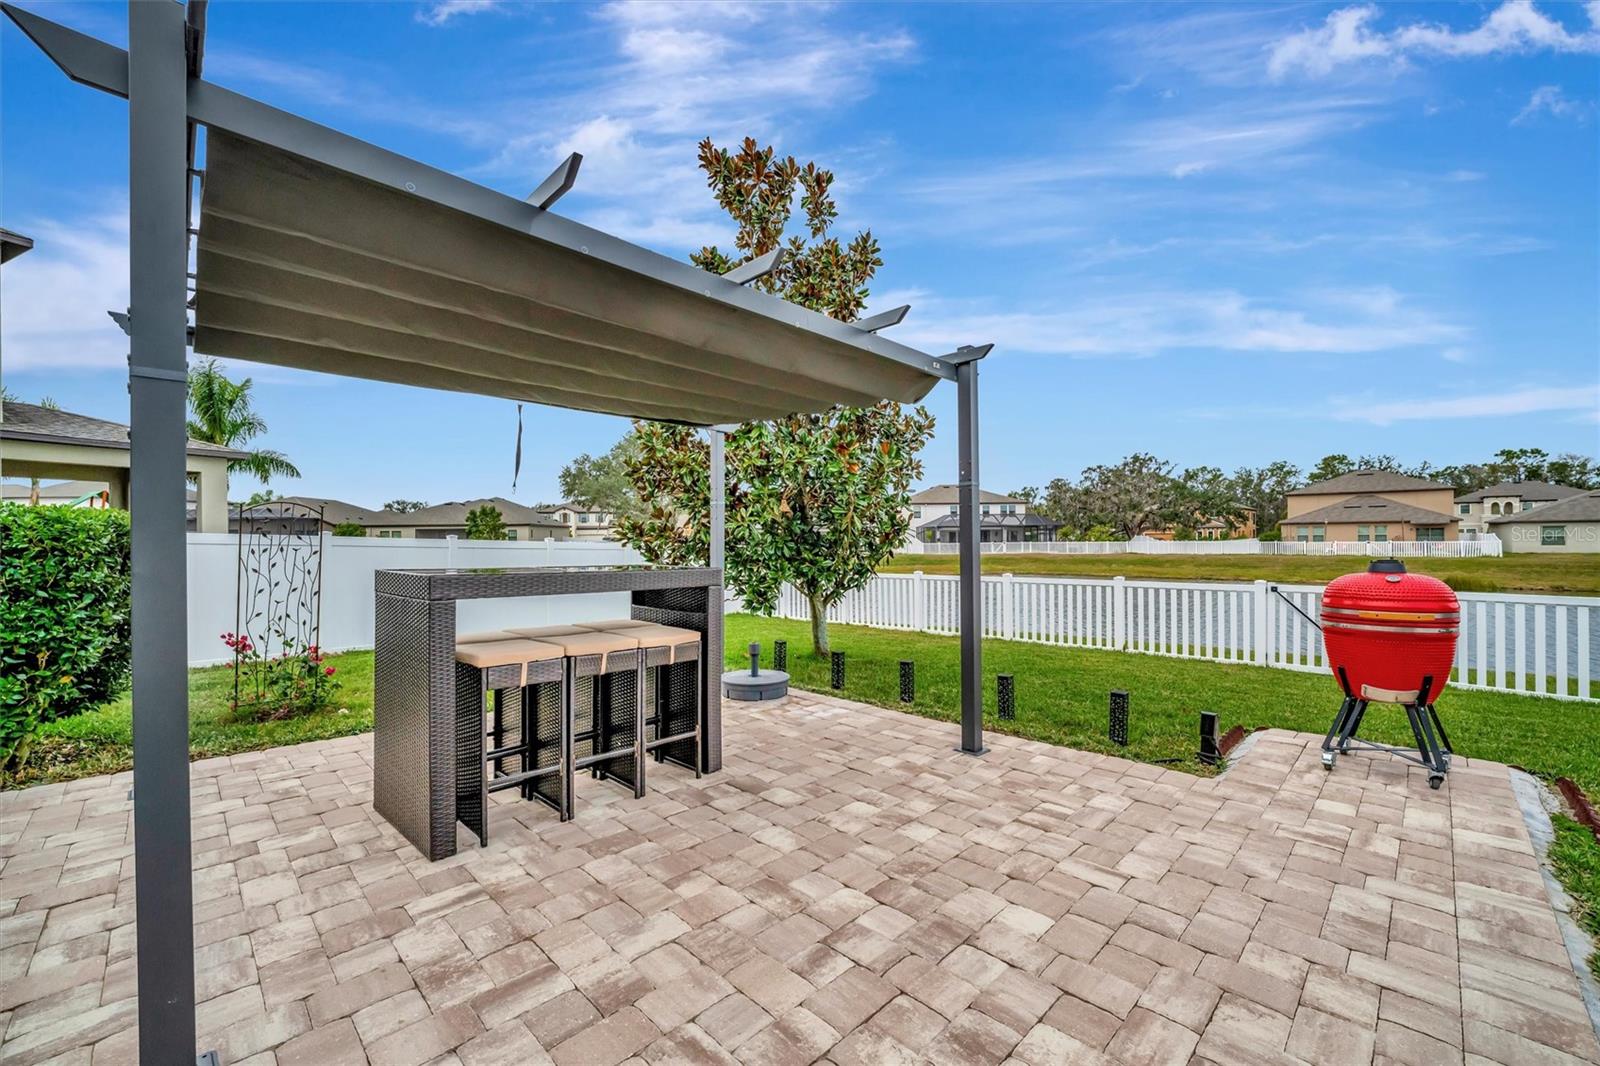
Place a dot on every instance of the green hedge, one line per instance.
(65, 578)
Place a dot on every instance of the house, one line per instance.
(1214, 528)
(1370, 505)
(936, 518)
(584, 523)
(450, 520)
(304, 514)
(1570, 524)
(43, 442)
(1507, 498)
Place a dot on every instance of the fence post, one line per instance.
(1008, 606)
(1262, 655)
(450, 552)
(1119, 613)
(919, 602)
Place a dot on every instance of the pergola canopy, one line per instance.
(304, 265)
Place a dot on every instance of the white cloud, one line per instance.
(1147, 323)
(1582, 399)
(1550, 99)
(1348, 36)
(56, 297)
(442, 11)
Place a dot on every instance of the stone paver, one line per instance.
(848, 890)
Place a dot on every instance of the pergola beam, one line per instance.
(883, 320)
(759, 267)
(558, 184)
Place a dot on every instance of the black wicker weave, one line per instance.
(418, 766)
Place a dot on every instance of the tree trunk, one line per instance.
(819, 624)
(33, 492)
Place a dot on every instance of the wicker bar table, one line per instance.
(423, 757)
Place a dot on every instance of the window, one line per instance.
(1434, 533)
(1380, 533)
(1302, 533)
(984, 509)
(583, 519)
(1319, 533)
(1466, 508)
(955, 508)
(511, 534)
(1553, 536)
(1008, 508)
(388, 532)
(1494, 508)
(916, 512)
(1363, 533)
(1527, 505)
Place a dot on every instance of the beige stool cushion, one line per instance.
(507, 653)
(605, 645)
(483, 636)
(656, 636)
(544, 632)
(610, 624)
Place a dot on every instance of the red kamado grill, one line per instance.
(1391, 638)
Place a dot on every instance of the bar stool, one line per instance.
(673, 693)
(503, 703)
(534, 672)
(604, 726)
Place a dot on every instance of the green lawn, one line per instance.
(1575, 857)
(101, 741)
(1574, 574)
(1062, 696)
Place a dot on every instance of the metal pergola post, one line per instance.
(971, 579)
(158, 264)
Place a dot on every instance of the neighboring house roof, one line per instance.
(455, 514)
(936, 494)
(334, 512)
(12, 245)
(1367, 508)
(29, 421)
(1537, 491)
(1368, 481)
(951, 521)
(69, 490)
(568, 505)
(1584, 507)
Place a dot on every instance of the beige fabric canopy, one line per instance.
(304, 265)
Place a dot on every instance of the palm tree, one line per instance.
(223, 415)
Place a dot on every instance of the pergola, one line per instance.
(320, 251)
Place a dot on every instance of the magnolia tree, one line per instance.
(818, 501)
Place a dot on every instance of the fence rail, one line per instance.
(1536, 645)
(1486, 546)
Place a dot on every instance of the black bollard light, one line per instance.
(908, 680)
(755, 658)
(780, 655)
(1210, 752)
(1006, 696)
(1119, 717)
(837, 673)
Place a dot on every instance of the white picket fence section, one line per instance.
(1485, 546)
(347, 597)
(1537, 645)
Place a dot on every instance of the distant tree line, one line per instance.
(1143, 493)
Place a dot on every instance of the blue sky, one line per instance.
(1226, 235)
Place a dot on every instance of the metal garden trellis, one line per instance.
(320, 251)
(278, 591)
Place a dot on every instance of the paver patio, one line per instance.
(849, 889)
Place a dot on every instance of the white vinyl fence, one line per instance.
(1539, 645)
(348, 564)
(1486, 546)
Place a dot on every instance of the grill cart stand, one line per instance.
(1433, 744)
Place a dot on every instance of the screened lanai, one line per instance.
(315, 250)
